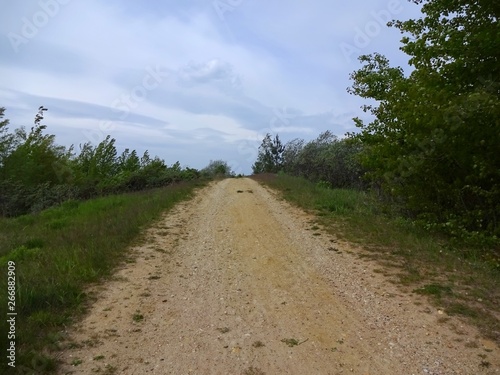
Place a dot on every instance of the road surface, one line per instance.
(237, 281)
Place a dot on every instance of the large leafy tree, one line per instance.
(435, 137)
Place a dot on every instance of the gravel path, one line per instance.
(236, 282)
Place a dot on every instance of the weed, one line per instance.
(293, 342)
(258, 344)
(76, 362)
(223, 329)
(461, 309)
(485, 364)
(110, 369)
(98, 357)
(137, 317)
(92, 342)
(74, 345)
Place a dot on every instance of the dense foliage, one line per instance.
(434, 143)
(217, 168)
(36, 173)
(270, 157)
(326, 159)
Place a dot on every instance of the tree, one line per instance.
(291, 154)
(217, 168)
(6, 139)
(98, 163)
(434, 141)
(326, 159)
(33, 170)
(33, 155)
(270, 157)
(129, 161)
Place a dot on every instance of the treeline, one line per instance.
(327, 160)
(36, 173)
(434, 144)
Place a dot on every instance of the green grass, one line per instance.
(59, 252)
(460, 278)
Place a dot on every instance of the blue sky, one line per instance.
(192, 80)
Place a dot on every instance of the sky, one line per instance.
(192, 80)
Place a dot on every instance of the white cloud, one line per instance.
(220, 80)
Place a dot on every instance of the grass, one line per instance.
(138, 317)
(461, 279)
(293, 342)
(61, 251)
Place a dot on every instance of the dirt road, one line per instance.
(236, 282)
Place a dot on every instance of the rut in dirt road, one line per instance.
(233, 282)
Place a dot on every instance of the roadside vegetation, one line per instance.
(418, 185)
(67, 220)
(460, 279)
(59, 252)
(37, 173)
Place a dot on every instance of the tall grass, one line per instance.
(408, 254)
(60, 251)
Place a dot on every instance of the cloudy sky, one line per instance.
(190, 80)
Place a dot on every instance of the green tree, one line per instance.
(326, 159)
(33, 155)
(217, 168)
(33, 170)
(129, 161)
(270, 156)
(291, 154)
(98, 163)
(6, 139)
(434, 141)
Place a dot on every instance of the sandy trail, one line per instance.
(227, 284)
